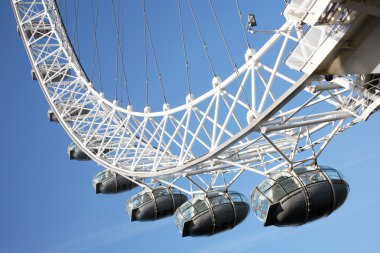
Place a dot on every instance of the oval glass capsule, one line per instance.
(211, 214)
(150, 205)
(108, 182)
(295, 198)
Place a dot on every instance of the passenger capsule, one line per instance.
(73, 113)
(108, 182)
(211, 214)
(52, 117)
(295, 198)
(75, 153)
(53, 73)
(36, 29)
(79, 111)
(152, 205)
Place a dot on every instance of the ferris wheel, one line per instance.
(272, 115)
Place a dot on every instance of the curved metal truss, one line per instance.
(265, 116)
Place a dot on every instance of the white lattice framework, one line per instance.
(283, 123)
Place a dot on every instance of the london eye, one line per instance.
(261, 101)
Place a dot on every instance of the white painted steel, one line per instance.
(274, 130)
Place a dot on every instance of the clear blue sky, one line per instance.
(49, 205)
